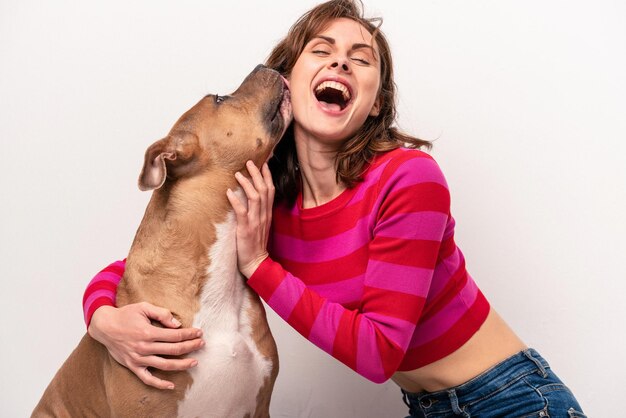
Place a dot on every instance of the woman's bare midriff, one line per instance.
(492, 343)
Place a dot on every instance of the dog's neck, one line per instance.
(192, 242)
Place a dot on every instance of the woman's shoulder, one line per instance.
(402, 153)
(408, 162)
(410, 179)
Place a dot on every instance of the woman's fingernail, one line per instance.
(176, 322)
(170, 387)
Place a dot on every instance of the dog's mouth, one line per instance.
(333, 95)
(283, 113)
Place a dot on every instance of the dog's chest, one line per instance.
(230, 368)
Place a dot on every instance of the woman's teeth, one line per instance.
(333, 95)
(336, 86)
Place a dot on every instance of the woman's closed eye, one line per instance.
(361, 60)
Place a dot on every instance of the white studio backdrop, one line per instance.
(526, 101)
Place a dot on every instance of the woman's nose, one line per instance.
(343, 64)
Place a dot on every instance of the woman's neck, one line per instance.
(318, 169)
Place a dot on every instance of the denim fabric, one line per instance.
(521, 386)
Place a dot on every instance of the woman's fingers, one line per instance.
(253, 220)
(137, 344)
(254, 199)
(241, 211)
(143, 372)
(257, 178)
(271, 190)
(164, 316)
(175, 335)
(149, 379)
(260, 186)
(172, 349)
(161, 363)
(267, 178)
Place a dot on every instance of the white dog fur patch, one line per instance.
(230, 369)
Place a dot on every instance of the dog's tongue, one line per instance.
(330, 106)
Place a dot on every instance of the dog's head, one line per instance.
(222, 131)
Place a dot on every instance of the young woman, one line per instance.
(361, 257)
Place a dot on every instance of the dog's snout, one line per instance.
(266, 91)
(264, 74)
(261, 79)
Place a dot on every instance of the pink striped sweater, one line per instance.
(373, 277)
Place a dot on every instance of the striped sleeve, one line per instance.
(102, 289)
(402, 254)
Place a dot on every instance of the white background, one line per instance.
(526, 101)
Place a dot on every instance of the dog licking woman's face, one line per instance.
(335, 83)
(222, 132)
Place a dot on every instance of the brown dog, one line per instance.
(184, 258)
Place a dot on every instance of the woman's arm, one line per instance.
(128, 333)
(410, 224)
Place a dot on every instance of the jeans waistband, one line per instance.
(498, 377)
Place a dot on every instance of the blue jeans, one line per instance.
(521, 386)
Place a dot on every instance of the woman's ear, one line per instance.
(376, 107)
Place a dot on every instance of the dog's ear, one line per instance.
(180, 149)
(154, 171)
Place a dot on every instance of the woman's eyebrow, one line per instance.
(354, 46)
(326, 38)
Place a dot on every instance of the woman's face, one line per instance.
(335, 82)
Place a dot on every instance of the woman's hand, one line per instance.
(253, 221)
(137, 344)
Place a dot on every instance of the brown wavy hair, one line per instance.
(377, 133)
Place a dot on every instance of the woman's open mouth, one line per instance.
(333, 96)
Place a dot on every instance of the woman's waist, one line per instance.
(490, 345)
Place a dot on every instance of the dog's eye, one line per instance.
(219, 99)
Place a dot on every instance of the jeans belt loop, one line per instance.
(542, 370)
(454, 402)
